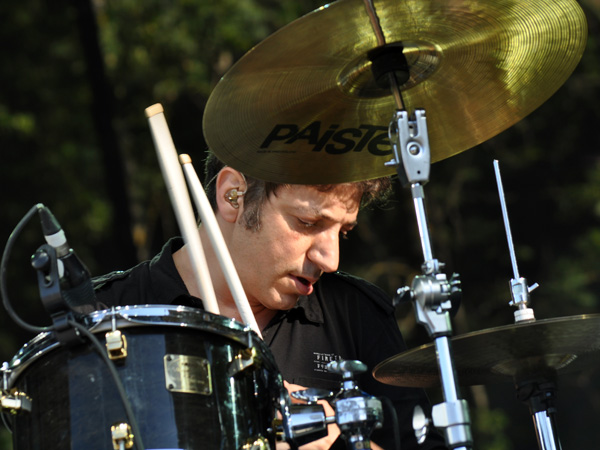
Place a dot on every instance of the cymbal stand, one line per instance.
(431, 292)
(539, 394)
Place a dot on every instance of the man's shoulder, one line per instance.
(119, 287)
(351, 286)
(103, 281)
(150, 281)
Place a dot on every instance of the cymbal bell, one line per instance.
(303, 105)
(519, 352)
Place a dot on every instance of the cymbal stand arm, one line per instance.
(538, 394)
(518, 285)
(430, 292)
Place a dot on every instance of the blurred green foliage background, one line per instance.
(77, 76)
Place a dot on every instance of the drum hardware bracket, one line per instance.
(122, 436)
(313, 395)
(427, 291)
(244, 359)
(299, 424)
(116, 342)
(304, 423)
(357, 413)
(540, 396)
(16, 402)
(116, 345)
(521, 298)
(13, 401)
(431, 292)
(421, 424)
(410, 143)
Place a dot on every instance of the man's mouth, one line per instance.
(304, 285)
(304, 281)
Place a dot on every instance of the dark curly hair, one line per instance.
(258, 191)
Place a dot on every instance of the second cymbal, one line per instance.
(517, 352)
(303, 106)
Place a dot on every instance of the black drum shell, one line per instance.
(75, 401)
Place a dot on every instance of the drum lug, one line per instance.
(122, 436)
(244, 359)
(15, 402)
(116, 345)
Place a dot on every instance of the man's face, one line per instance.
(297, 242)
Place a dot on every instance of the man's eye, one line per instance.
(306, 224)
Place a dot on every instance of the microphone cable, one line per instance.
(77, 326)
(3, 273)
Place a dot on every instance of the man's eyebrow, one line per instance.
(321, 215)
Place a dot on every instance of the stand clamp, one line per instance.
(357, 413)
(300, 424)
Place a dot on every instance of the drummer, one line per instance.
(284, 242)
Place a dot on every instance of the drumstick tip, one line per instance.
(153, 110)
(184, 159)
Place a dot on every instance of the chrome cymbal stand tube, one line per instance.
(431, 292)
(539, 394)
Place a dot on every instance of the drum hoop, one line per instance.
(184, 317)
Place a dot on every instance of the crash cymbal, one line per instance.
(303, 106)
(519, 352)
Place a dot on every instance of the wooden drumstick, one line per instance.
(175, 182)
(216, 239)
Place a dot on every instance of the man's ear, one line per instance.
(230, 188)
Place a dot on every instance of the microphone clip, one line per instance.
(45, 262)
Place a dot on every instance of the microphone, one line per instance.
(75, 279)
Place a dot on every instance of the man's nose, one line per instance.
(325, 251)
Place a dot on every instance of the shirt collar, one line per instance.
(311, 307)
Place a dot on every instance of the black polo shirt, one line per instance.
(344, 318)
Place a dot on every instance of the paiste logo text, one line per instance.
(330, 139)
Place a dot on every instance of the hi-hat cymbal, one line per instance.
(520, 352)
(303, 107)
